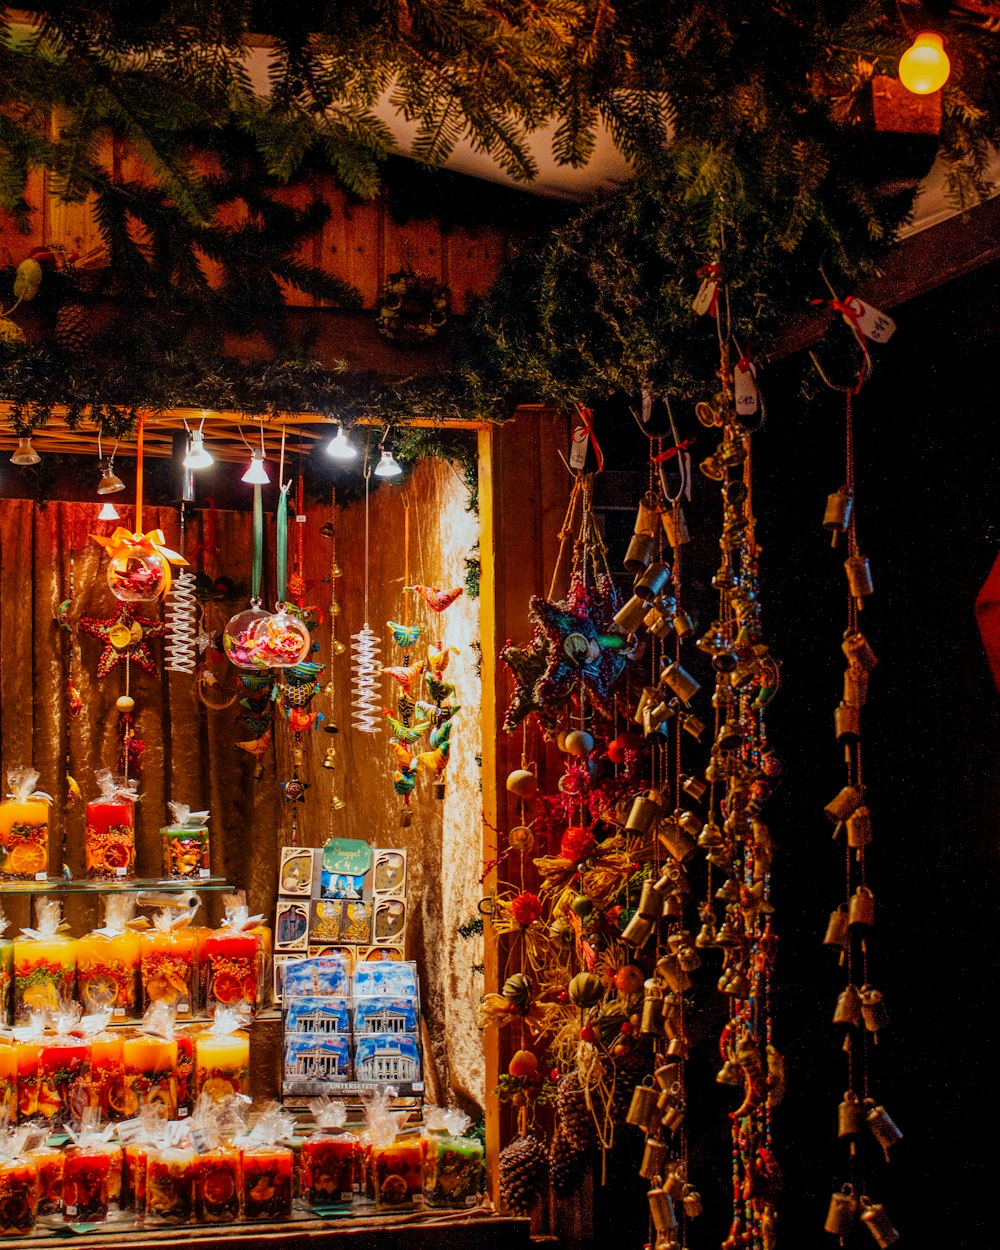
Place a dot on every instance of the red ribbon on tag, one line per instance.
(669, 454)
(586, 415)
(851, 316)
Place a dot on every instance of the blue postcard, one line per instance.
(385, 978)
(321, 976)
(387, 1057)
(317, 1057)
(309, 1014)
(385, 1015)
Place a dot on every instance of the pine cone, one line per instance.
(567, 1166)
(524, 1168)
(74, 327)
(573, 1116)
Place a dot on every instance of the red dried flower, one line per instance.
(526, 908)
(577, 843)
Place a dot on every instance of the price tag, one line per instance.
(704, 301)
(745, 387)
(300, 518)
(129, 1131)
(182, 1007)
(118, 1012)
(204, 872)
(201, 1139)
(34, 1140)
(872, 323)
(70, 1208)
(578, 447)
(41, 876)
(121, 872)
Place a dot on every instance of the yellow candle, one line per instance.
(24, 839)
(150, 1073)
(222, 1064)
(44, 973)
(8, 1080)
(107, 973)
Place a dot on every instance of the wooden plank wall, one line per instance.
(361, 243)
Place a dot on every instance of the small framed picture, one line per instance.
(278, 974)
(356, 923)
(291, 925)
(390, 921)
(324, 922)
(295, 876)
(390, 873)
(380, 954)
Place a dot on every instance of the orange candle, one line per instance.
(6, 975)
(267, 1183)
(169, 968)
(107, 1074)
(8, 1079)
(107, 972)
(44, 973)
(220, 1185)
(63, 1077)
(27, 1077)
(222, 1064)
(185, 1039)
(24, 829)
(134, 1186)
(398, 1172)
(18, 1197)
(171, 1185)
(49, 1162)
(265, 956)
(150, 1065)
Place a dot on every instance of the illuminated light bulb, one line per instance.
(256, 474)
(340, 446)
(110, 481)
(108, 512)
(198, 456)
(924, 67)
(387, 466)
(25, 453)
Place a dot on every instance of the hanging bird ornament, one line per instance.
(437, 600)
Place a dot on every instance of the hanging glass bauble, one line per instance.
(281, 640)
(137, 577)
(238, 639)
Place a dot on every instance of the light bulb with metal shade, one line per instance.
(340, 446)
(256, 474)
(25, 453)
(110, 481)
(924, 66)
(387, 466)
(198, 456)
(108, 512)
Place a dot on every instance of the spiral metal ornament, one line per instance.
(181, 615)
(365, 685)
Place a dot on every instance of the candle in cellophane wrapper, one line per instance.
(186, 1036)
(171, 1178)
(8, 1080)
(330, 1157)
(44, 963)
(186, 855)
(397, 1165)
(453, 1162)
(232, 955)
(64, 1069)
(24, 828)
(222, 1055)
(267, 1166)
(27, 1045)
(220, 1164)
(107, 962)
(49, 1162)
(88, 1164)
(6, 974)
(149, 1060)
(109, 835)
(265, 963)
(107, 1072)
(18, 1183)
(136, 1135)
(169, 962)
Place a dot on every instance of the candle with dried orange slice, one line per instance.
(24, 828)
(150, 1063)
(6, 973)
(109, 835)
(168, 957)
(222, 1055)
(186, 855)
(232, 956)
(107, 962)
(44, 963)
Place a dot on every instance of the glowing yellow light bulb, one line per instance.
(924, 67)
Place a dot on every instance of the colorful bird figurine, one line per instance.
(435, 761)
(405, 674)
(438, 660)
(404, 635)
(438, 690)
(405, 733)
(437, 600)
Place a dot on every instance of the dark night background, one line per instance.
(927, 461)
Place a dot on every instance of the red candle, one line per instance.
(231, 957)
(267, 1183)
(85, 1183)
(27, 1078)
(134, 1187)
(220, 1184)
(109, 840)
(185, 1070)
(171, 1185)
(63, 1077)
(107, 1089)
(18, 1197)
(329, 1168)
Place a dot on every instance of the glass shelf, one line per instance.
(56, 885)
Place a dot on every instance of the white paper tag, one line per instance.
(872, 323)
(182, 1007)
(578, 447)
(702, 302)
(201, 1139)
(177, 1130)
(42, 876)
(745, 387)
(34, 1140)
(300, 518)
(118, 1012)
(70, 1208)
(129, 1131)
(121, 872)
(204, 872)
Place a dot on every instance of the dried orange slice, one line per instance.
(218, 1188)
(41, 997)
(217, 1087)
(26, 858)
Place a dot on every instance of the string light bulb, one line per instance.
(387, 466)
(340, 446)
(256, 474)
(198, 456)
(25, 453)
(924, 66)
(108, 512)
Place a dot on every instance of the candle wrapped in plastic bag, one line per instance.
(89, 1162)
(44, 963)
(109, 834)
(232, 957)
(18, 1183)
(186, 855)
(171, 1175)
(222, 1054)
(8, 1080)
(24, 828)
(107, 962)
(49, 1162)
(453, 1162)
(267, 1166)
(107, 1073)
(27, 1045)
(149, 1059)
(220, 1163)
(168, 955)
(397, 1162)
(330, 1163)
(64, 1068)
(136, 1135)
(6, 973)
